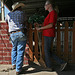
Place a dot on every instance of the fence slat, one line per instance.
(43, 54)
(30, 43)
(58, 39)
(36, 45)
(66, 41)
(73, 48)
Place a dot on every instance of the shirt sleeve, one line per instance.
(52, 16)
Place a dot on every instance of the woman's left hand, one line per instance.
(37, 28)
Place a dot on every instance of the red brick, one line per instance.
(1, 54)
(7, 58)
(6, 41)
(5, 62)
(2, 45)
(7, 37)
(1, 62)
(0, 36)
(7, 51)
(1, 58)
(4, 27)
(9, 54)
(4, 54)
(1, 41)
(1, 48)
(4, 37)
(3, 23)
(10, 62)
(8, 48)
(4, 32)
(9, 45)
(7, 27)
(1, 51)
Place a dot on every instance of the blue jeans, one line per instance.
(18, 40)
(48, 54)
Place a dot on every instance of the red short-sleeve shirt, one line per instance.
(51, 18)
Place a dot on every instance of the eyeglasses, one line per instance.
(46, 4)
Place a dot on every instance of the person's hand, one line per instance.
(35, 24)
(37, 28)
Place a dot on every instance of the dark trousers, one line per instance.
(48, 54)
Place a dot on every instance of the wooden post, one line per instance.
(2, 10)
(43, 54)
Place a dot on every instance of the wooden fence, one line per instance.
(63, 45)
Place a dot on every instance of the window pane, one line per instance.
(6, 10)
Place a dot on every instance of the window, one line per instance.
(4, 12)
(0, 10)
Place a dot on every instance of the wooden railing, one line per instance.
(63, 45)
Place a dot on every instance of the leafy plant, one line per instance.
(36, 19)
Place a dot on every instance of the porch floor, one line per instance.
(35, 69)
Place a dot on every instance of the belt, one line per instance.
(15, 31)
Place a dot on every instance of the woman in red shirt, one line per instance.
(49, 34)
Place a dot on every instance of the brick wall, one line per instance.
(6, 46)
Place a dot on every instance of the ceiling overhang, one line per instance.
(66, 7)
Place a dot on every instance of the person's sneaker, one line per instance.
(62, 67)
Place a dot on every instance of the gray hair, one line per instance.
(51, 2)
(55, 7)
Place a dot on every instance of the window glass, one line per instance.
(6, 10)
(0, 10)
